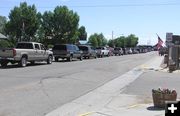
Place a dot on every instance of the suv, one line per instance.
(66, 51)
(118, 51)
(102, 51)
(88, 51)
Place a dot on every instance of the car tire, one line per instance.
(70, 58)
(4, 64)
(95, 56)
(32, 62)
(23, 62)
(80, 58)
(56, 59)
(49, 60)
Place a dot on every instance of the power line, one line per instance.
(113, 6)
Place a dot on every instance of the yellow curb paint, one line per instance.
(134, 106)
(86, 114)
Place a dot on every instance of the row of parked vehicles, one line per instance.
(26, 52)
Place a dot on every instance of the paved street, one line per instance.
(39, 89)
(127, 95)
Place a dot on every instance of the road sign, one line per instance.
(169, 37)
(169, 44)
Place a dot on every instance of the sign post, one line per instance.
(169, 37)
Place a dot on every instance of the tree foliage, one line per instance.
(3, 21)
(61, 25)
(82, 33)
(6, 44)
(97, 40)
(122, 41)
(23, 22)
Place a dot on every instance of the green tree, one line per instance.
(6, 44)
(102, 41)
(99, 39)
(61, 25)
(23, 22)
(134, 40)
(122, 41)
(3, 21)
(93, 41)
(82, 33)
(111, 43)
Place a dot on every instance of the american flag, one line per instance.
(160, 42)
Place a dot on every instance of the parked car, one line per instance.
(102, 51)
(118, 51)
(111, 51)
(25, 52)
(88, 51)
(66, 51)
(135, 51)
(129, 51)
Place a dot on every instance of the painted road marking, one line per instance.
(86, 114)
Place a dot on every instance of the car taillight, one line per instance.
(14, 52)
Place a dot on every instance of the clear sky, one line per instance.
(144, 18)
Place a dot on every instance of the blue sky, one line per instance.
(144, 18)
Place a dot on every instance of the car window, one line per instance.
(84, 48)
(59, 47)
(24, 46)
(37, 46)
(77, 48)
(116, 48)
(69, 47)
(42, 47)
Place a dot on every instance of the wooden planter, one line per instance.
(160, 98)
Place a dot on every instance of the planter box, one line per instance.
(160, 98)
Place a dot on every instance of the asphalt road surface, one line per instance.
(38, 89)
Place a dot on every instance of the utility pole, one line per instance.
(113, 38)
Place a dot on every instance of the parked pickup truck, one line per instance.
(25, 52)
(102, 51)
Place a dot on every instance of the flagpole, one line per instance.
(157, 34)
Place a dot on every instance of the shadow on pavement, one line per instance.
(152, 108)
(17, 66)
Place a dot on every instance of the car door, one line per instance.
(37, 51)
(77, 51)
(94, 52)
(44, 53)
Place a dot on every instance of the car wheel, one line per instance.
(4, 64)
(80, 58)
(23, 62)
(95, 56)
(56, 59)
(49, 60)
(70, 58)
(32, 62)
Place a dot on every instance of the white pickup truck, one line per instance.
(102, 51)
(25, 52)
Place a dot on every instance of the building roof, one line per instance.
(2, 36)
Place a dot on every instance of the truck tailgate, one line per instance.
(5, 53)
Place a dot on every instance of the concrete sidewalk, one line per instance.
(108, 99)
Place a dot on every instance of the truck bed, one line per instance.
(6, 52)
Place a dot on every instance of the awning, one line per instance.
(2, 36)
